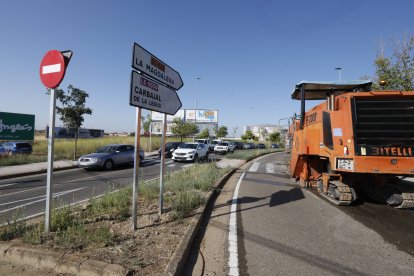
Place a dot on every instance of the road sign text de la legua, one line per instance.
(148, 94)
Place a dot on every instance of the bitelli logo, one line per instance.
(392, 151)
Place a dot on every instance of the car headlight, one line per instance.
(171, 150)
(191, 152)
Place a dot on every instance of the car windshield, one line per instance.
(223, 144)
(188, 146)
(107, 149)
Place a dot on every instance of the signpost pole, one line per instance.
(164, 130)
(50, 157)
(136, 169)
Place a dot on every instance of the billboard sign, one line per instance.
(156, 116)
(201, 115)
(15, 126)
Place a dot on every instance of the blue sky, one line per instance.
(249, 54)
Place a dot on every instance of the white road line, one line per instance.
(233, 249)
(43, 199)
(270, 168)
(6, 185)
(188, 165)
(254, 167)
(171, 166)
(24, 191)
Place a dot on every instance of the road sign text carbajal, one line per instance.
(148, 97)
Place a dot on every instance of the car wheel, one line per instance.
(196, 160)
(109, 165)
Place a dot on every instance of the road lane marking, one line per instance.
(6, 185)
(24, 191)
(233, 248)
(254, 167)
(43, 199)
(270, 168)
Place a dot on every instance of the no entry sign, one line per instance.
(53, 67)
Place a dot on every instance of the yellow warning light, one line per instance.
(382, 82)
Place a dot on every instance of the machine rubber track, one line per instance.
(408, 201)
(339, 193)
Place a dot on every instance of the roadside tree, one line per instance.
(248, 136)
(204, 134)
(274, 137)
(72, 110)
(183, 129)
(221, 132)
(396, 71)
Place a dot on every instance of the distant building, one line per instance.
(203, 118)
(263, 131)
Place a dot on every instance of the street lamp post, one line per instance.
(198, 78)
(340, 70)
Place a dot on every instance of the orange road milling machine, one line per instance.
(355, 142)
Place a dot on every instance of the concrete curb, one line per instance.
(59, 262)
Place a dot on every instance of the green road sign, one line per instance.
(15, 126)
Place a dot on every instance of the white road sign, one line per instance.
(148, 64)
(151, 95)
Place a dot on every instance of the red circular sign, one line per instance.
(52, 69)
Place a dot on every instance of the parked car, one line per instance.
(3, 151)
(274, 146)
(190, 152)
(261, 146)
(110, 156)
(239, 145)
(17, 147)
(206, 142)
(213, 144)
(170, 147)
(224, 147)
(249, 146)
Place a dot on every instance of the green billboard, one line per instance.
(15, 126)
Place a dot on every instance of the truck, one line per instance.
(356, 141)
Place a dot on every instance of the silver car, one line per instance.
(110, 156)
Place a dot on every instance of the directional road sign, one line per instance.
(53, 67)
(149, 94)
(148, 64)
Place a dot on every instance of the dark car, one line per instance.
(239, 145)
(110, 156)
(274, 146)
(170, 147)
(261, 146)
(249, 146)
(17, 147)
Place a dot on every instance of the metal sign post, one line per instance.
(50, 156)
(153, 87)
(136, 170)
(52, 71)
(162, 166)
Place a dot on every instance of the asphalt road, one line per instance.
(273, 227)
(25, 196)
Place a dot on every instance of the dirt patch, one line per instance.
(144, 251)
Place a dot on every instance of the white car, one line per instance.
(224, 147)
(190, 152)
